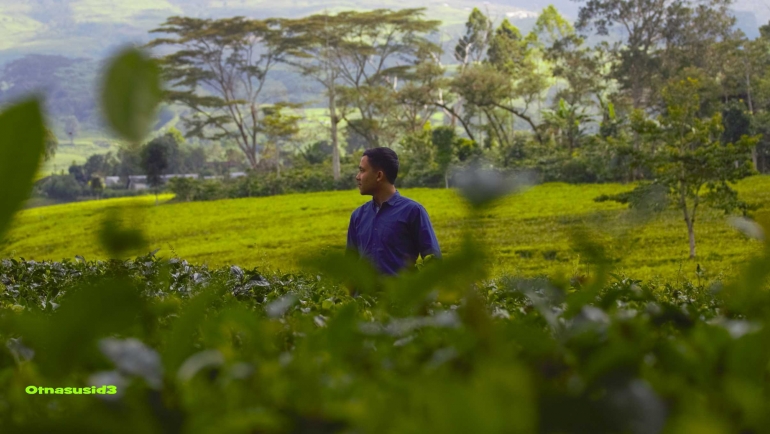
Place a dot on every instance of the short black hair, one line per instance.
(384, 159)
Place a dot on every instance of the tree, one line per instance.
(279, 127)
(581, 68)
(354, 140)
(449, 148)
(233, 158)
(194, 158)
(418, 159)
(566, 125)
(184, 189)
(431, 87)
(97, 186)
(130, 161)
(312, 43)
(379, 50)
(421, 94)
(659, 37)
(687, 156)
(744, 78)
(172, 141)
(317, 152)
(219, 72)
(77, 172)
(154, 163)
(505, 85)
(61, 187)
(51, 145)
(443, 138)
(98, 165)
(644, 23)
(472, 47)
(71, 127)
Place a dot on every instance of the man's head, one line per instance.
(378, 169)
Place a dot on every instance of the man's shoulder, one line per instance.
(411, 207)
(408, 202)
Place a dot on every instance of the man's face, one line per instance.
(367, 177)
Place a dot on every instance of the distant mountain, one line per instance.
(94, 28)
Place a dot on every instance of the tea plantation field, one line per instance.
(528, 234)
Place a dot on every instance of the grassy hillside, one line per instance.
(528, 234)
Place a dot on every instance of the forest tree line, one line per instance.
(543, 99)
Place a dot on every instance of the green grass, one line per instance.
(527, 234)
(83, 148)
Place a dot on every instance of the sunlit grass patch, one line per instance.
(528, 233)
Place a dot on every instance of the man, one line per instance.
(391, 230)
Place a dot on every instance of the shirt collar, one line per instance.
(392, 201)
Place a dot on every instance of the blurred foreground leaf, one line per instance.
(357, 275)
(480, 186)
(120, 232)
(130, 94)
(67, 339)
(22, 138)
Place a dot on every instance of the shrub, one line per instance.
(184, 188)
(61, 187)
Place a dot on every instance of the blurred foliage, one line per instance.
(22, 146)
(131, 93)
(339, 348)
(194, 349)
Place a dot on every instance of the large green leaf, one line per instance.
(131, 93)
(22, 138)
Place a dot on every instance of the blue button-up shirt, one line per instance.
(392, 236)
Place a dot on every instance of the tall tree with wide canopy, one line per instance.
(506, 84)
(219, 71)
(658, 39)
(359, 58)
(311, 42)
(380, 48)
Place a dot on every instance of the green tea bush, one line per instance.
(195, 350)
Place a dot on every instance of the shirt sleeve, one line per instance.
(427, 243)
(352, 246)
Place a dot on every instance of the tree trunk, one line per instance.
(691, 235)
(751, 111)
(689, 220)
(277, 161)
(251, 157)
(446, 178)
(335, 140)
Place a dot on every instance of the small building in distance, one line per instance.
(111, 181)
(139, 182)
